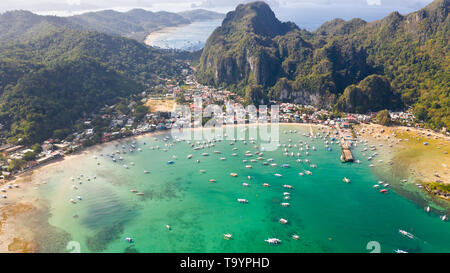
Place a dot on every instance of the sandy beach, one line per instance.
(153, 36)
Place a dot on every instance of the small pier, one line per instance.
(346, 154)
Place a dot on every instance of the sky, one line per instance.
(306, 13)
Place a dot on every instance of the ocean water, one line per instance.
(328, 214)
(188, 37)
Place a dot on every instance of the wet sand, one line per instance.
(426, 163)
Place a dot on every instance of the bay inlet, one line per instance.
(92, 200)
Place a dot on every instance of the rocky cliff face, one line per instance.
(243, 49)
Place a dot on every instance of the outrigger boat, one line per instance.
(227, 236)
(273, 241)
(346, 180)
(288, 186)
(233, 174)
(283, 221)
(266, 185)
(406, 234)
(243, 201)
(399, 251)
(285, 204)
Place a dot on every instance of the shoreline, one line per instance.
(419, 153)
(371, 126)
(152, 36)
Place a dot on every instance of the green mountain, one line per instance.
(136, 23)
(54, 97)
(395, 62)
(49, 82)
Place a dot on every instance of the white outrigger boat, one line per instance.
(295, 237)
(285, 204)
(189, 156)
(245, 184)
(228, 236)
(266, 185)
(278, 175)
(243, 201)
(283, 221)
(288, 186)
(444, 218)
(399, 251)
(406, 234)
(346, 180)
(273, 241)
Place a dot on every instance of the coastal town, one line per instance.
(136, 116)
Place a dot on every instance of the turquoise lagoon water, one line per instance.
(328, 214)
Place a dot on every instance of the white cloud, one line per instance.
(374, 2)
(74, 2)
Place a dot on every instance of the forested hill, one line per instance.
(49, 82)
(396, 62)
(136, 23)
